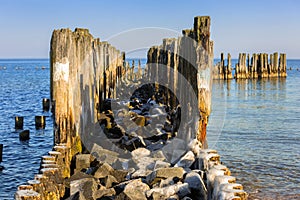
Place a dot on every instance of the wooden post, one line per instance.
(19, 123)
(24, 135)
(1, 151)
(40, 122)
(46, 104)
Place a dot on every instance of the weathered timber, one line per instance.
(83, 73)
(222, 71)
(46, 104)
(1, 151)
(40, 122)
(186, 62)
(19, 122)
(258, 66)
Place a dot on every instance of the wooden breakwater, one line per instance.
(257, 66)
(187, 62)
(87, 77)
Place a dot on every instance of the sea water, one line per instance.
(23, 85)
(254, 125)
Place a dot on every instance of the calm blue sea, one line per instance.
(23, 85)
(254, 125)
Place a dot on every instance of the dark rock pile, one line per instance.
(155, 163)
(196, 174)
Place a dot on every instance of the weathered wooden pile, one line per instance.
(258, 66)
(184, 65)
(139, 147)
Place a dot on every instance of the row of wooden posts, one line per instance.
(259, 65)
(40, 123)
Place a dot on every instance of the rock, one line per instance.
(186, 161)
(104, 155)
(176, 155)
(139, 120)
(104, 120)
(103, 171)
(174, 149)
(136, 189)
(24, 135)
(83, 161)
(137, 111)
(115, 132)
(164, 173)
(161, 164)
(119, 188)
(196, 185)
(140, 152)
(86, 187)
(110, 181)
(167, 182)
(155, 146)
(77, 176)
(120, 175)
(145, 163)
(195, 146)
(181, 189)
(134, 143)
(104, 192)
(187, 198)
(141, 173)
(121, 163)
(158, 155)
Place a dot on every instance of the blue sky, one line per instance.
(236, 26)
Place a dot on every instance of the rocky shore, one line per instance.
(121, 134)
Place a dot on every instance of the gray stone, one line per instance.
(164, 173)
(140, 152)
(181, 189)
(121, 163)
(173, 197)
(167, 182)
(161, 164)
(134, 189)
(158, 155)
(141, 173)
(103, 171)
(195, 146)
(104, 155)
(186, 161)
(176, 155)
(196, 185)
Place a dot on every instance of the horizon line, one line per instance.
(20, 58)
